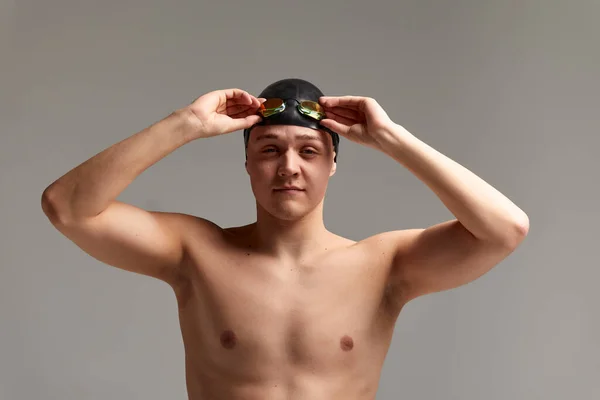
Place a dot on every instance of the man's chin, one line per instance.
(288, 212)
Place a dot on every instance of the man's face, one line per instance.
(288, 155)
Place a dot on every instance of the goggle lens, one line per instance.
(271, 106)
(312, 109)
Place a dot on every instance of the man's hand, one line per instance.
(225, 111)
(359, 119)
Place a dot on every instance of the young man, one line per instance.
(282, 307)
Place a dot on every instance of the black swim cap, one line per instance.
(293, 89)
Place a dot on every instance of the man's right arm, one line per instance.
(82, 206)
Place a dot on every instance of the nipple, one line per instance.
(346, 343)
(228, 339)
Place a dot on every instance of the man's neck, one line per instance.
(290, 239)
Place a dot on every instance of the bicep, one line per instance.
(132, 239)
(442, 257)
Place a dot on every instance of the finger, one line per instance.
(345, 112)
(235, 93)
(335, 126)
(239, 96)
(352, 102)
(341, 119)
(232, 103)
(241, 101)
(243, 123)
(236, 109)
(243, 113)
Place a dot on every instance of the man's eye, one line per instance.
(270, 149)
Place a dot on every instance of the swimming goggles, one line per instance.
(307, 107)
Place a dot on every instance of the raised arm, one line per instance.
(82, 206)
(488, 226)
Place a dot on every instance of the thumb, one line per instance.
(243, 123)
(335, 126)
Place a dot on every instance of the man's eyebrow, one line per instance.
(301, 136)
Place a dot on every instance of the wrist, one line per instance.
(391, 136)
(189, 125)
(397, 142)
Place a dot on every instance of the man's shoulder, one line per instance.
(387, 242)
(188, 219)
(191, 226)
(377, 245)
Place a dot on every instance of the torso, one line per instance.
(257, 328)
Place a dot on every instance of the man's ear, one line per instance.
(333, 169)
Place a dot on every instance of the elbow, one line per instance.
(510, 233)
(52, 208)
(522, 226)
(518, 232)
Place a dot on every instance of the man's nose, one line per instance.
(288, 163)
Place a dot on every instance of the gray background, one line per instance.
(509, 89)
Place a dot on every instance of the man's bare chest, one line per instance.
(243, 306)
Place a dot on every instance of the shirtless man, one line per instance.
(282, 308)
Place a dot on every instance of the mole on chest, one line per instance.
(229, 340)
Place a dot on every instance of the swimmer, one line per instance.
(282, 307)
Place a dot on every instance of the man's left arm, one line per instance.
(488, 226)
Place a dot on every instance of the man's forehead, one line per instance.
(283, 132)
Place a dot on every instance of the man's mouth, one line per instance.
(289, 190)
